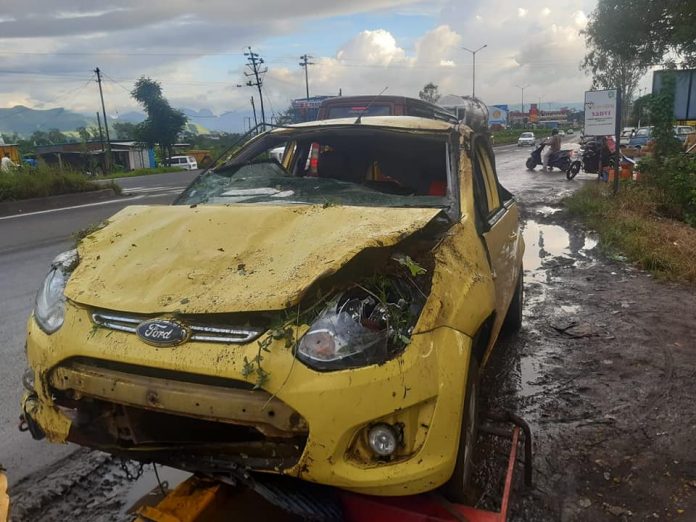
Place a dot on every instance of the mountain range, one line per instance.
(25, 120)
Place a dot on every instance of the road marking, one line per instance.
(96, 204)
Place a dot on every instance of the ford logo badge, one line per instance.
(162, 332)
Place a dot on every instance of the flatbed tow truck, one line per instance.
(239, 496)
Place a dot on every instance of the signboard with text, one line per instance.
(600, 112)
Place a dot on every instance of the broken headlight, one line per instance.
(49, 310)
(364, 325)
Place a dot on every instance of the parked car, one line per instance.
(184, 162)
(640, 137)
(626, 135)
(326, 319)
(570, 131)
(526, 138)
(561, 132)
(682, 132)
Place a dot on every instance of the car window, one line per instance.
(484, 163)
(643, 132)
(361, 167)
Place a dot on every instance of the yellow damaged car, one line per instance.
(322, 314)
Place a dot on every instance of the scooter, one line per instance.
(560, 159)
(587, 160)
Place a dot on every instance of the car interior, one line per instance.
(394, 164)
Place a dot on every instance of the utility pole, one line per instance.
(101, 136)
(473, 82)
(257, 71)
(306, 63)
(522, 88)
(253, 108)
(106, 124)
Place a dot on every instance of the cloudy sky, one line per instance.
(48, 49)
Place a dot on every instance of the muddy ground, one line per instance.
(603, 369)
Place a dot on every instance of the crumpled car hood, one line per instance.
(212, 259)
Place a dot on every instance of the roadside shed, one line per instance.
(89, 156)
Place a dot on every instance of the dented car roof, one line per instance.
(386, 122)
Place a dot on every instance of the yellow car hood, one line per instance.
(202, 259)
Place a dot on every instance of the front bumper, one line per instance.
(421, 390)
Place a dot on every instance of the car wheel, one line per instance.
(456, 488)
(513, 318)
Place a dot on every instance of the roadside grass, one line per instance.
(140, 172)
(630, 225)
(42, 182)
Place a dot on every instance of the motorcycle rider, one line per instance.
(553, 144)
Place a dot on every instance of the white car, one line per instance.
(561, 132)
(277, 153)
(526, 138)
(184, 162)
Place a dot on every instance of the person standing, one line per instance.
(6, 164)
(553, 144)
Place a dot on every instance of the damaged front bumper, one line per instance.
(191, 407)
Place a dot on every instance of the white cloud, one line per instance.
(183, 45)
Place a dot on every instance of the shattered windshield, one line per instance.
(327, 168)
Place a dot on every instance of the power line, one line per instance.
(258, 70)
(305, 63)
(106, 123)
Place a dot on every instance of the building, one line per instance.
(89, 156)
(306, 109)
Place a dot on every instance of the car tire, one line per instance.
(513, 317)
(456, 489)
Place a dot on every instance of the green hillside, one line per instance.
(25, 121)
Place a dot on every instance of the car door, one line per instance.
(499, 227)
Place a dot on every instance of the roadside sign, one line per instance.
(684, 94)
(600, 112)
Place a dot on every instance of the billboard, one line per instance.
(600, 112)
(684, 94)
(498, 115)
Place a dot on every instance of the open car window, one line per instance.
(343, 166)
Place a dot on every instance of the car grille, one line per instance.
(207, 333)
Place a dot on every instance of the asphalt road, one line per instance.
(29, 242)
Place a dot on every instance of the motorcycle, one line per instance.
(587, 159)
(560, 159)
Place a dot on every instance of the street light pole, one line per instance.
(522, 88)
(473, 81)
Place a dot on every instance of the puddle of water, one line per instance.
(548, 211)
(543, 242)
(590, 242)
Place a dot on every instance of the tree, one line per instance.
(55, 136)
(163, 123)
(429, 93)
(612, 63)
(662, 113)
(125, 130)
(640, 110)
